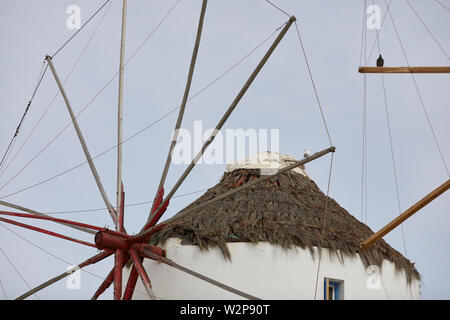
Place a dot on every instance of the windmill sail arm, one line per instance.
(98, 257)
(405, 215)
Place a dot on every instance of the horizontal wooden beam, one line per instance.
(405, 215)
(404, 70)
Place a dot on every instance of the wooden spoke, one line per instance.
(405, 215)
(222, 121)
(51, 233)
(39, 214)
(143, 235)
(98, 257)
(404, 70)
(182, 107)
(111, 210)
(200, 276)
(143, 274)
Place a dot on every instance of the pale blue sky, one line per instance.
(281, 97)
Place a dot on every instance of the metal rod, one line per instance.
(14, 206)
(183, 104)
(227, 114)
(111, 210)
(405, 215)
(149, 231)
(199, 276)
(142, 273)
(404, 70)
(51, 233)
(98, 257)
(120, 109)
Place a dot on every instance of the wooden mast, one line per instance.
(405, 215)
(404, 70)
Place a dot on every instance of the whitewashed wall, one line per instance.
(268, 272)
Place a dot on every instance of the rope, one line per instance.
(138, 132)
(420, 96)
(313, 84)
(17, 271)
(278, 8)
(81, 28)
(428, 29)
(323, 226)
(16, 133)
(57, 92)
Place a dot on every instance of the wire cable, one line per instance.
(81, 28)
(57, 92)
(420, 96)
(139, 131)
(441, 4)
(323, 225)
(16, 133)
(17, 271)
(428, 29)
(278, 8)
(128, 205)
(3, 289)
(55, 256)
(87, 105)
(313, 84)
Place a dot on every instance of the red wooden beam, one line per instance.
(79, 224)
(51, 233)
(142, 273)
(98, 257)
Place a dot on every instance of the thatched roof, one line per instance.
(287, 210)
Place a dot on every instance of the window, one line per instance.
(333, 289)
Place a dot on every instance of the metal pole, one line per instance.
(405, 215)
(227, 114)
(183, 105)
(120, 110)
(102, 255)
(111, 210)
(14, 206)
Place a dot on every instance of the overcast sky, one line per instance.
(281, 97)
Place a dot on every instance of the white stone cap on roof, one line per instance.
(269, 163)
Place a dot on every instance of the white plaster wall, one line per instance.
(268, 272)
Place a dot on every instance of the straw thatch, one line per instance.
(287, 210)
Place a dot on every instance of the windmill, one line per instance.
(126, 247)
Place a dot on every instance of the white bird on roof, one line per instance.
(307, 153)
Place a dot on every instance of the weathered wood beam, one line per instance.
(405, 215)
(404, 70)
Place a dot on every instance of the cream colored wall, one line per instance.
(269, 272)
